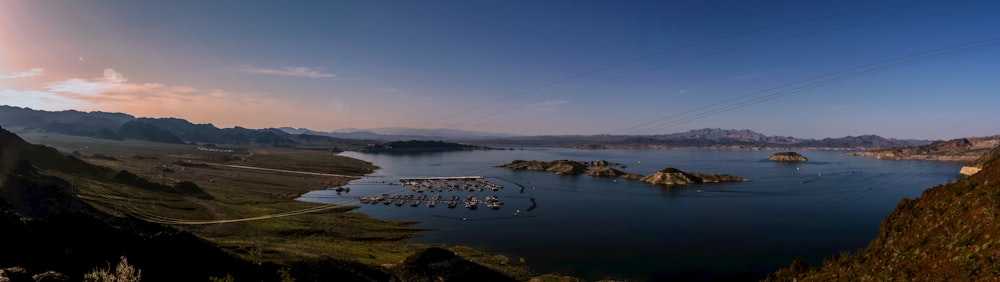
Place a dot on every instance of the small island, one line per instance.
(601, 168)
(673, 176)
(788, 157)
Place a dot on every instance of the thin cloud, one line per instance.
(36, 99)
(103, 90)
(286, 71)
(218, 106)
(28, 73)
(548, 104)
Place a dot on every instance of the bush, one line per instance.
(123, 273)
(228, 278)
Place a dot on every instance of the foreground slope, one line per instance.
(47, 227)
(950, 233)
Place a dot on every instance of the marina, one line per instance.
(449, 184)
(440, 185)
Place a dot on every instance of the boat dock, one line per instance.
(422, 186)
(451, 183)
(471, 202)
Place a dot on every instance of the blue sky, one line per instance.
(526, 67)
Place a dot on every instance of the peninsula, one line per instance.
(971, 150)
(955, 150)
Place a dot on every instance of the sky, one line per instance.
(809, 69)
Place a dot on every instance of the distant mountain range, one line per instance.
(119, 126)
(701, 138)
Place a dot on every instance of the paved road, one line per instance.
(281, 170)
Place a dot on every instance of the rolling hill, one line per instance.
(118, 126)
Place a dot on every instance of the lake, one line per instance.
(600, 227)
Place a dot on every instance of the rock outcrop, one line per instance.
(975, 166)
(788, 157)
(673, 176)
(969, 170)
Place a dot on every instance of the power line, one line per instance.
(812, 83)
(661, 52)
(702, 56)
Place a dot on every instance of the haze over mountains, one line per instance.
(120, 126)
(400, 133)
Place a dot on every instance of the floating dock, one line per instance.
(451, 183)
(472, 202)
(420, 185)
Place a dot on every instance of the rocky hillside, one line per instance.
(961, 150)
(950, 233)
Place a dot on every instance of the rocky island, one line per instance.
(601, 168)
(788, 157)
(673, 176)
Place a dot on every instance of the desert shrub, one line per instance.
(228, 278)
(123, 273)
(286, 275)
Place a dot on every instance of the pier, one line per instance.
(451, 183)
(420, 185)
(472, 202)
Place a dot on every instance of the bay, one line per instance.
(596, 228)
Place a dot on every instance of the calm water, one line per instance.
(596, 227)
